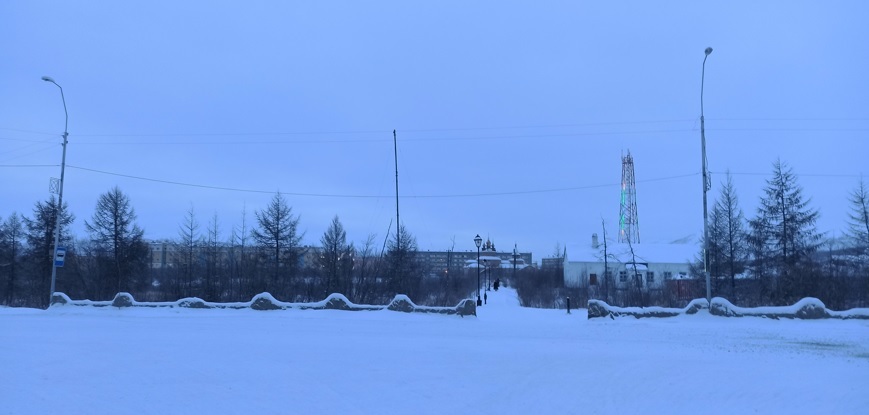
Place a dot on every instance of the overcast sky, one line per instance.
(511, 117)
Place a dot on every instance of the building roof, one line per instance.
(645, 253)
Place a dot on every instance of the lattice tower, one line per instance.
(629, 227)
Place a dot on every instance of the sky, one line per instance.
(511, 118)
(506, 360)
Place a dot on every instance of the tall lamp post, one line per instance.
(706, 184)
(478, 241)
(59, 191)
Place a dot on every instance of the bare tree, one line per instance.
(606, 269)
(187, 252)
(11, 249)
(212, 259)
(238, 257)
(365, 272)
(858, 218)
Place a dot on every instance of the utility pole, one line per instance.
(59, 192)
(397, 222)
(706, 184)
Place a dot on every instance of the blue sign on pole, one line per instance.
(59, 255)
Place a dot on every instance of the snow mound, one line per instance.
(598, 308)
(806, 309)
(267, 302)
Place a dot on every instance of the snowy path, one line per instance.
(508, 360)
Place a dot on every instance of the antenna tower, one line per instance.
(629, 228)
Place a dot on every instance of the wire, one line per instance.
(520, 192)
(409, 130)
(424, 130)
(29, 141)
(378, 140)
(29, 165)
(798, 174)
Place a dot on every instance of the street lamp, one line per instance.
(59, 191)
(706, 184)
(478, 241)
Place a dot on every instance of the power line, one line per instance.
(409, 130)
(417, 140)
(29, 165)
(798, 174)
(410, 140)
(326, 195)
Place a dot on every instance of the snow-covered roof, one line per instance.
(645, 253)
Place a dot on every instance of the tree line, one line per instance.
(778, 256)
(775, 257)
(261, 254)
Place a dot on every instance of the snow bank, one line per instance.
(598, 308)
(265, 302)
(806, 309)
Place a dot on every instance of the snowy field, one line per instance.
(508, 360)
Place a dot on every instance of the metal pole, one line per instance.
(59, 193)
(397, 223)
(515, 258)
(706, 184)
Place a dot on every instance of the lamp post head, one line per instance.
(478, 240)
(708, 51)
(48, 79)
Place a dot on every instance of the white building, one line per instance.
(653, 264)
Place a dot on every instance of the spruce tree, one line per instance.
(784, 235)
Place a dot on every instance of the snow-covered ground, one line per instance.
(507, 360)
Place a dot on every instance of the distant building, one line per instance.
(438, 262)
(165, 254)
(551, 263)
(652, 264)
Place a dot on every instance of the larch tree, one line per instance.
(730, 234)
(404, 272)
(278, 237)
(335, 261)
(119, 244)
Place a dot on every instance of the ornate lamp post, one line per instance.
(478, 241)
